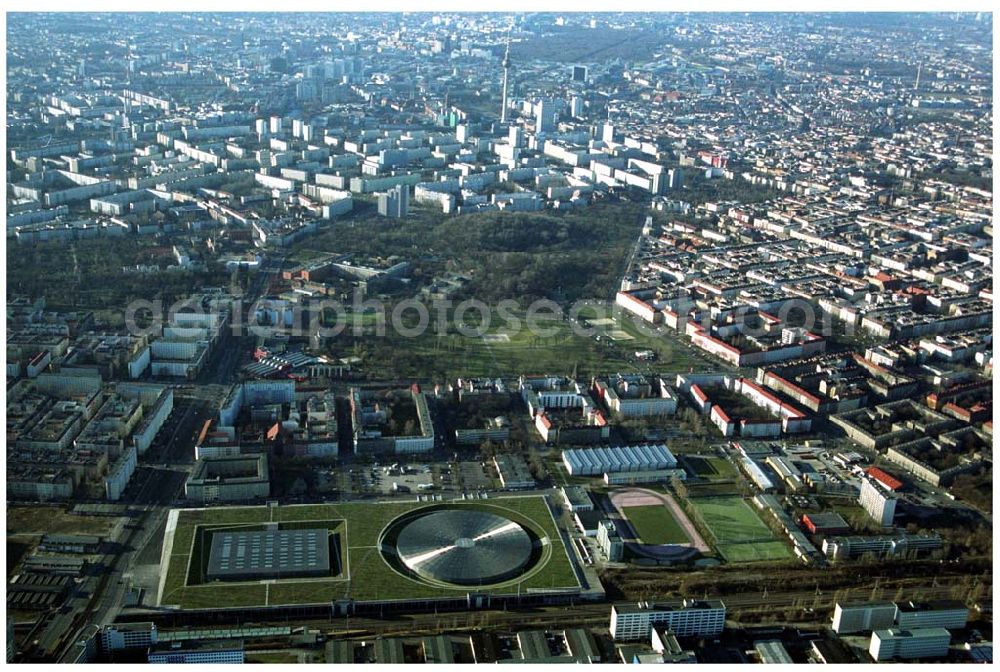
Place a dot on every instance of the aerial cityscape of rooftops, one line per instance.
(499, 338)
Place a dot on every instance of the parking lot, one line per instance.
(473, 476)
(403, 478)
(411, 478)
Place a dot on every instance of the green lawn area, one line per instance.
(673, 354)
(760, 551)
(723, 468)
(366, 575)
(271, 657)
(731, 520)
(31, 519)
(655, 524)
(550, 345)
(699, 490)
(502, 348)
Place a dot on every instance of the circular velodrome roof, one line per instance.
(465, 547)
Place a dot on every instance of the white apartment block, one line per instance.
(863, 617)
(880, 505)
(128, 636)
(901, 644)
(687, 618)
(950, 614)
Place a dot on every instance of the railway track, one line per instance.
(596, 615)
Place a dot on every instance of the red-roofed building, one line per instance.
(884, 479)
(825, 523)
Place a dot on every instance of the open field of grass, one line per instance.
(505, 341)
(54, 520)
(673, 354)
(723, 468)
(505, 348)
(366, 575)
(655, 524)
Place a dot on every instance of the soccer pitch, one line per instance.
(655, 524)
(364, 574)
(739, 534)
(757, 551)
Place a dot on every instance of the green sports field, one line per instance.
(364, 573)
(655, 524)
(739, 534)
(758, 551)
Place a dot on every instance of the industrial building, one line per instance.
(70, 543)
(772, 652)
(596, 461)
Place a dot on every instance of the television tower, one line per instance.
(506, 72)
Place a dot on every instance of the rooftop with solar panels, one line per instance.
(269, 553)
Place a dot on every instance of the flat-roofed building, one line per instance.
(268, 554)
(229, 478)
(204, 652)
(438, 650)
(70, 543)
(610, 543)
(825, 523)
(54, 564)
(896, 643)
(772, 652)
(950, 614)
(128, 636)
(686, 618)
(594, 461)
(514, 472)
(880, 504)
(577, 498)
(863, 617)
(845, 548)
(665, 643)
